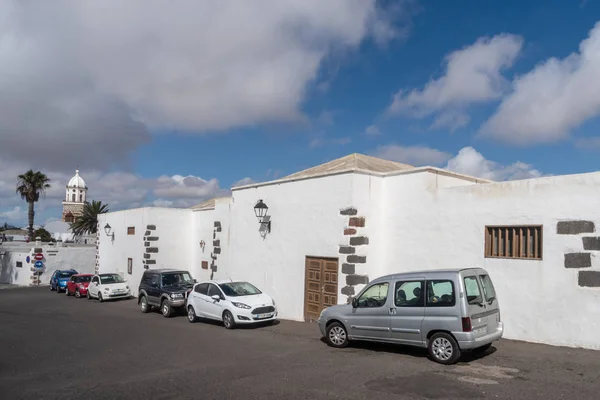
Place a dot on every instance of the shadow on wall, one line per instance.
(6, 269)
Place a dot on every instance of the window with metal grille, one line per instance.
(131, 230)
(522, 242)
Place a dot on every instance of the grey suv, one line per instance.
(446, 311)
(164, 288)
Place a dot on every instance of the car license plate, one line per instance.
(261, 316)
(480, 331)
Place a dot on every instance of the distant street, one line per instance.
(58, 347)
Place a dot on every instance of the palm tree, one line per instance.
(88, 222)
(30, 186)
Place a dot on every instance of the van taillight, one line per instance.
(466, 323)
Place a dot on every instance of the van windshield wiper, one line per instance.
(491, 299)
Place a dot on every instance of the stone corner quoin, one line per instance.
(575, 227)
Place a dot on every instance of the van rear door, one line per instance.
(476, 305)
(491, 302)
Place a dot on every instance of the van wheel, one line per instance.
(482, 349)
(443, 348)
(336, 335)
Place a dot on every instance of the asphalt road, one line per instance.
(53, 346)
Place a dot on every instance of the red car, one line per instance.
(78, 285)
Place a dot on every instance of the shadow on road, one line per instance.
(417, 352)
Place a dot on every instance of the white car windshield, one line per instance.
(234, 289)
(111, 278)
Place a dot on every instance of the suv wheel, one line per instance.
(144, 304)
(166, 309)
(443, 348)
(336, 335)
(191, 314)
(228, 320)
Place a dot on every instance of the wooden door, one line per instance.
(320, 287)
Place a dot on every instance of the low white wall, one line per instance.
(79, 258)
(540, 301)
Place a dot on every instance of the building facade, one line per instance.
(75, 198)
(317, 237)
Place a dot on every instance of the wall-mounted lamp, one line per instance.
(260, 209)
(107, 230)
(202, 244)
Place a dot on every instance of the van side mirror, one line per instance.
(354, 302)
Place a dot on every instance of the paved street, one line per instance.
(53, 346)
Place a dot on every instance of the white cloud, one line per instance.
(120, 190)
(413, 155)
(243, 181)
(12, 215)
(552, 99)
(373, 130)
(87, 81)
(472, 75)
(469, 161)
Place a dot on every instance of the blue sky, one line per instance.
(365, 82)
(323, 104)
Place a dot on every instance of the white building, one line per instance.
(335, 227)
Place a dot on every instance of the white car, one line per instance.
(231, 302)
(107, 287)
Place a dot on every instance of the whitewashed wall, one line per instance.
(541, 301)
(212, 227)
(79, 258)
(172, 227)
(306, 221)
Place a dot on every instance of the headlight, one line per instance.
(241, 305)
(127, 287)
(107, 289)
(176, 296)
(322, 312)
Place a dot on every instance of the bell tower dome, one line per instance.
(75, 198)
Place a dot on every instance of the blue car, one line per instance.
(60, 278)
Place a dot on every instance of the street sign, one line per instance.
(39, 256)
(39, 265)
(28, 259)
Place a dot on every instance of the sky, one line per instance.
(169, 104)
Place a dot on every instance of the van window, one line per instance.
(488, 287)
(409, 294)
(440, 293)
(472, 288)
(375, 296)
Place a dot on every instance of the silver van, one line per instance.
(446, 311)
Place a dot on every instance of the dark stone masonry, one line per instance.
(151, 227)
(152, 250)
(348, 290)
(352, 280)
(152, 238)
(591, 243)
(348, 268)
(146, 256)
(216, 243)
(150, 261)
(347, 250)
(589, 278)
(349, 211)
(356, 259)
(357, 221)
(575, 227)
(349, 231)
(578, 260)
(146, 244)
(147, 233)
(359, 240)
(217, 250)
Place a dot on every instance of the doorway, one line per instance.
(320, 286)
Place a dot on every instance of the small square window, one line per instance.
(19, 264)
(131, 230)
(204, 264)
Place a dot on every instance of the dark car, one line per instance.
(165, 288)
(59, 279)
